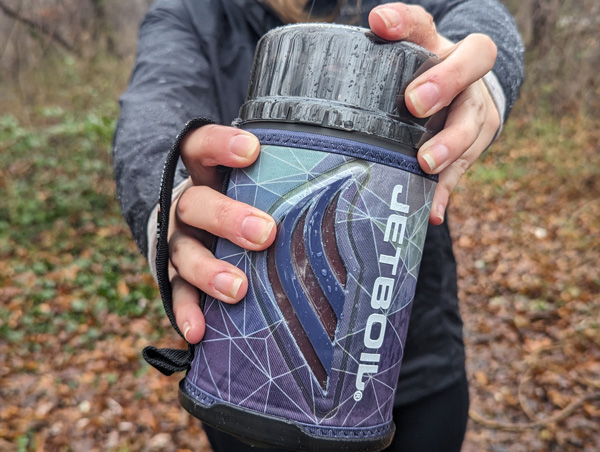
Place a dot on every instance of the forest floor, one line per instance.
(77, 304)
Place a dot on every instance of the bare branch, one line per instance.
(36, 27)
(541, 422)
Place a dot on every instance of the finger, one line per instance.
(447, 182)
(463, 126)
(453, 170)
(186, 308)
(468, 61)
(197, 265)
(209, 146)
(400, 22)
(224, 217)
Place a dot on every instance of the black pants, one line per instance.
(434, 424)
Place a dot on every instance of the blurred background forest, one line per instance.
(77, 304)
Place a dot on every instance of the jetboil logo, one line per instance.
(382, 292)
(308, 278)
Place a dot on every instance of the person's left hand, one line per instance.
(473, 119)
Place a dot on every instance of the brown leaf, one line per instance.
(557, 398)
(481, 378)
(146, 418)
(122, 288)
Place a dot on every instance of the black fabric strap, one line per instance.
(169, 360)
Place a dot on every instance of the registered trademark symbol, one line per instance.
(357, 396)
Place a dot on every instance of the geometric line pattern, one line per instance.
(249, 356)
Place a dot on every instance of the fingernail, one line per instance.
(187, 326)
(243, 145)
(439, 213)
(391, 18)
(228, 284)
(256, 230)
(435, 155)
(424, 97)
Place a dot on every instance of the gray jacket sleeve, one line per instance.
(169, 86)
(455, 19)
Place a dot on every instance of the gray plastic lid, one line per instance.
(338, 77)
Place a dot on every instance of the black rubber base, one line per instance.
(268, 431)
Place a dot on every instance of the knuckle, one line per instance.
(209, 143)
(461, 166)
(199, 271)
(464, 133)
(193, 142)
(224, 209)
(452, 175)
(423, 21)
(477, 107)
(186, 203)
(209, 136)
(423, 13)
(175, 250)
(456, 78)
(199, 146)
(489, 44)
(179, 286)
(486, 47)
(444, 189)
(430, 22)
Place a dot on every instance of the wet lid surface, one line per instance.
(338, 77)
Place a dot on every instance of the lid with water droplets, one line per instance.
(338, 77)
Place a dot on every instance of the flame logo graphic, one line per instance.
(308, 276)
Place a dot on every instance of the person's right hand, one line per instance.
(473, 119)
(203, 212)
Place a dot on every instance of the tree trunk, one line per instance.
(102, 29)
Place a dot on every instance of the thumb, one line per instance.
(400, 22)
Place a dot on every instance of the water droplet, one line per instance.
(324, 272)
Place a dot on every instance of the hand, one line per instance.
(202, 212)
(473, 119)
